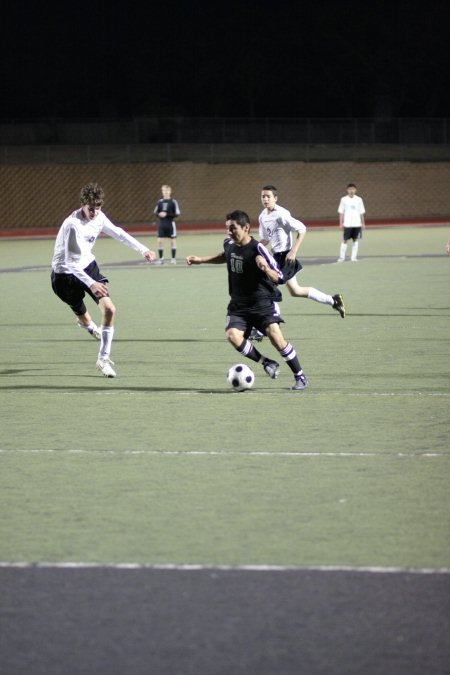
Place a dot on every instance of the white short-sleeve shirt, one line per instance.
(352, 208)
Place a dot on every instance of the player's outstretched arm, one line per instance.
(149, 256)
(193, 260)
(199, 260)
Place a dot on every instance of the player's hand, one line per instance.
(99, 290)
(261, 262)
(162, 214)
(149, 256)
(193, 260)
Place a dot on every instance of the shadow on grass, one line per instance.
(129, 340)
(103, 389)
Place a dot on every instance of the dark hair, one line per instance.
(240, 217)
(272, 188)
(92, 194)
(351, 185)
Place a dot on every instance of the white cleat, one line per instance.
(95, 332)
(104, 366)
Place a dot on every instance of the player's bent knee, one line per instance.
(298, 291)
(234, 336)
(108, 308)
(273, 332)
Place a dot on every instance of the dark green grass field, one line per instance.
(164, 465)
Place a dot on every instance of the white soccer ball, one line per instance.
(240, 377)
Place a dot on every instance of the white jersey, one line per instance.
(353, 209)
(276, 226)
(76, 238)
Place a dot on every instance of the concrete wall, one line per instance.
(40, 196)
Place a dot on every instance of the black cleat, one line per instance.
(256, 335)
(339, 304)
(271, 368)
(300, 382)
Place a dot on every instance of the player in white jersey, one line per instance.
(351, 220)
(277, 227)
(75, 271)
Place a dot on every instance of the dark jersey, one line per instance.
(170, 206)
(249, 286)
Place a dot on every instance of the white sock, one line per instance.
(343, 251)
(355, 250)
(318, 296)
(107, 334)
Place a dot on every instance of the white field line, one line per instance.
(219, 453)
(196, 392)
(225, 568)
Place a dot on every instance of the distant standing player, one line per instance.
(75, 271)
(253, 275)
(277, 227)
(351, 220)
(167, 210)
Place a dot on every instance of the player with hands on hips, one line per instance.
(75, 272)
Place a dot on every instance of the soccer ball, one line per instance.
(240, 377)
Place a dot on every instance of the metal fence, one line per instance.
(204, 130)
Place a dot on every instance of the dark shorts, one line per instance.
(245, 320)
(289, 269)
(352, 233)
(167, 229)
(71, 290)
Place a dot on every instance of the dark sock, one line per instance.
(290, 356)
(248, 350)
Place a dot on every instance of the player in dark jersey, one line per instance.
(253, 275)
(167, 210)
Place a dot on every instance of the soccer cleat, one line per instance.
(256, 335)
(173, 261)
(300, 382)
(340, 260)
(271, 368)
(95, 332)
(339, 304)
(160, 261)
(104, 366)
